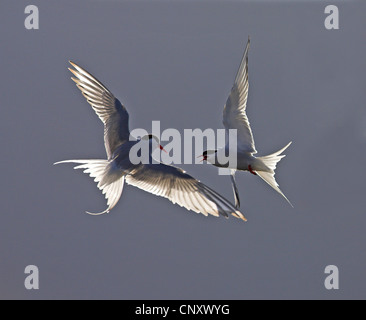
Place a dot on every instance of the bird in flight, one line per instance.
(149, 175)
(235, 117)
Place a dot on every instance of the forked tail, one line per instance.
(271, 162)
(110, 181)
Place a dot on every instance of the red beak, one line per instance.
(203, 158)
(161, 148)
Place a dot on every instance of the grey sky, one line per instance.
(175, 62)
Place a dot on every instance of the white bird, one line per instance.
(151, 176)
(235, 117)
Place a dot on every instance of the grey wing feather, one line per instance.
(234, 115)
(181, 188)
(108, 108)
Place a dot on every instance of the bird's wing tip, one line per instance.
(74, 72)
(239, 215)
(289, 202)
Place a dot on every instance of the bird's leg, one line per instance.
(251, 170)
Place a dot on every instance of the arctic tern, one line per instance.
(157, 178)
(235, 117)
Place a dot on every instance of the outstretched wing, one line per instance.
(108, 108)
(179, 187)
(234, 115)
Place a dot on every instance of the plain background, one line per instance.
(175, 62)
